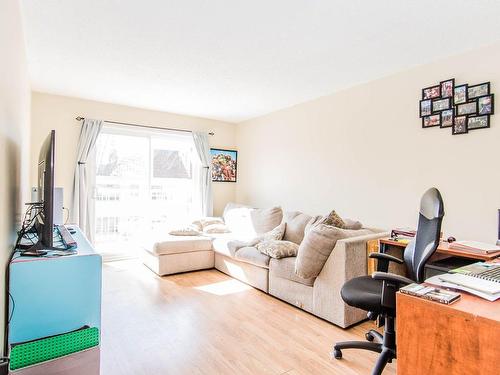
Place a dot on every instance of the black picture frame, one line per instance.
(221, 151)
(431, 87)
(469, 96)
(420, 107)
(492, 112)
(437, 111)
(466, 130)
(457, 113)
(442, 124)
(437, 115)
(466, 91)
(452, 80)
(469, 118)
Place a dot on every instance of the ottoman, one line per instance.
(175, 254)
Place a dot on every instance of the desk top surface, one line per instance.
(468, 304)
(444, 248)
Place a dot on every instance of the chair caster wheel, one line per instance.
(337, 354)
(369, 337)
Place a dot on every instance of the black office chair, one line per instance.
(377, 293)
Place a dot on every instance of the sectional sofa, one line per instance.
(234, 253)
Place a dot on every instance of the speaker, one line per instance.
(58, 203)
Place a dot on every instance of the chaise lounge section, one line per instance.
(235, 254)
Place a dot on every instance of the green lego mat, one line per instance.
(37, 351)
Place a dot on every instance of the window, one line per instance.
(145, 183)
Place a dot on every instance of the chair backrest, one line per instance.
(418, 251)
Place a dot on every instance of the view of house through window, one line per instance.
(145, 184)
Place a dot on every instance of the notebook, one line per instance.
(438, 281)
(485, 286)
(481, 270)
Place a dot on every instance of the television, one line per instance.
(46, 160)
(44, 224)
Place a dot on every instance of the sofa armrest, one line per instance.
(347, 260)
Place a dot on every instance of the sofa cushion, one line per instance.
(225, 244)
(278, 249)
(275, 234)
(215, 228)
(334, 219)
(250, 254)
(285, 268)
(352, 224)
(295, 224)
(238, 219)
(206, 221)
(189, 230)
(181, 244)
(265, 219)
(317, 246)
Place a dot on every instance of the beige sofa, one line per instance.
(228, 253)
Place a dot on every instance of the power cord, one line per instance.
(67, 217)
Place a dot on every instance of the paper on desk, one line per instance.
(436, 280)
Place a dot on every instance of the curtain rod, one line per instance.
(80, 118)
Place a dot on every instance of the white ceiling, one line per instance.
(237, 59)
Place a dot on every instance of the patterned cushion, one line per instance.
(334, 219)
(189, 230)
(275, 234)
(206, 221)
(215, 228)
(278, 249)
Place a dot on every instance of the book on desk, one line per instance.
(480, 279)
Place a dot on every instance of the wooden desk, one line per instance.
(442, 250)
(458, 339)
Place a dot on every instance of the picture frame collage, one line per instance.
(459, 107)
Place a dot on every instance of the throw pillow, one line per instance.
(189, 230)
(238, 219)
(278, 249)
(295, 224)
(205, 221)
(275, 234)
(215, 228)
(317, 246)
(352, 224)
(334, 219)
(265, 219)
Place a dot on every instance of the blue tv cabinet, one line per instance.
(56, 295)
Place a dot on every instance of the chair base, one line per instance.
(385, 345)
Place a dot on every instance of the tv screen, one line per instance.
(46, 190)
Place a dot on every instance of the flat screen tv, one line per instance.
(45, 220)
(46, 160)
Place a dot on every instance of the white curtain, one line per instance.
(82, 210)
(203, 149)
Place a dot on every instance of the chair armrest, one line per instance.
(388, 257)
(390, 285)
(383, 261)
(392, 277)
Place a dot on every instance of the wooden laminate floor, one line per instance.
(208, 323)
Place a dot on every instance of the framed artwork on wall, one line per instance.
(447, 118)
(478, 90)
(461, 107)
(478, 122)
(224, 165)
(447, 88)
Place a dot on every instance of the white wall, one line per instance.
(59, 112)
(14, 134)
(363, 152)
